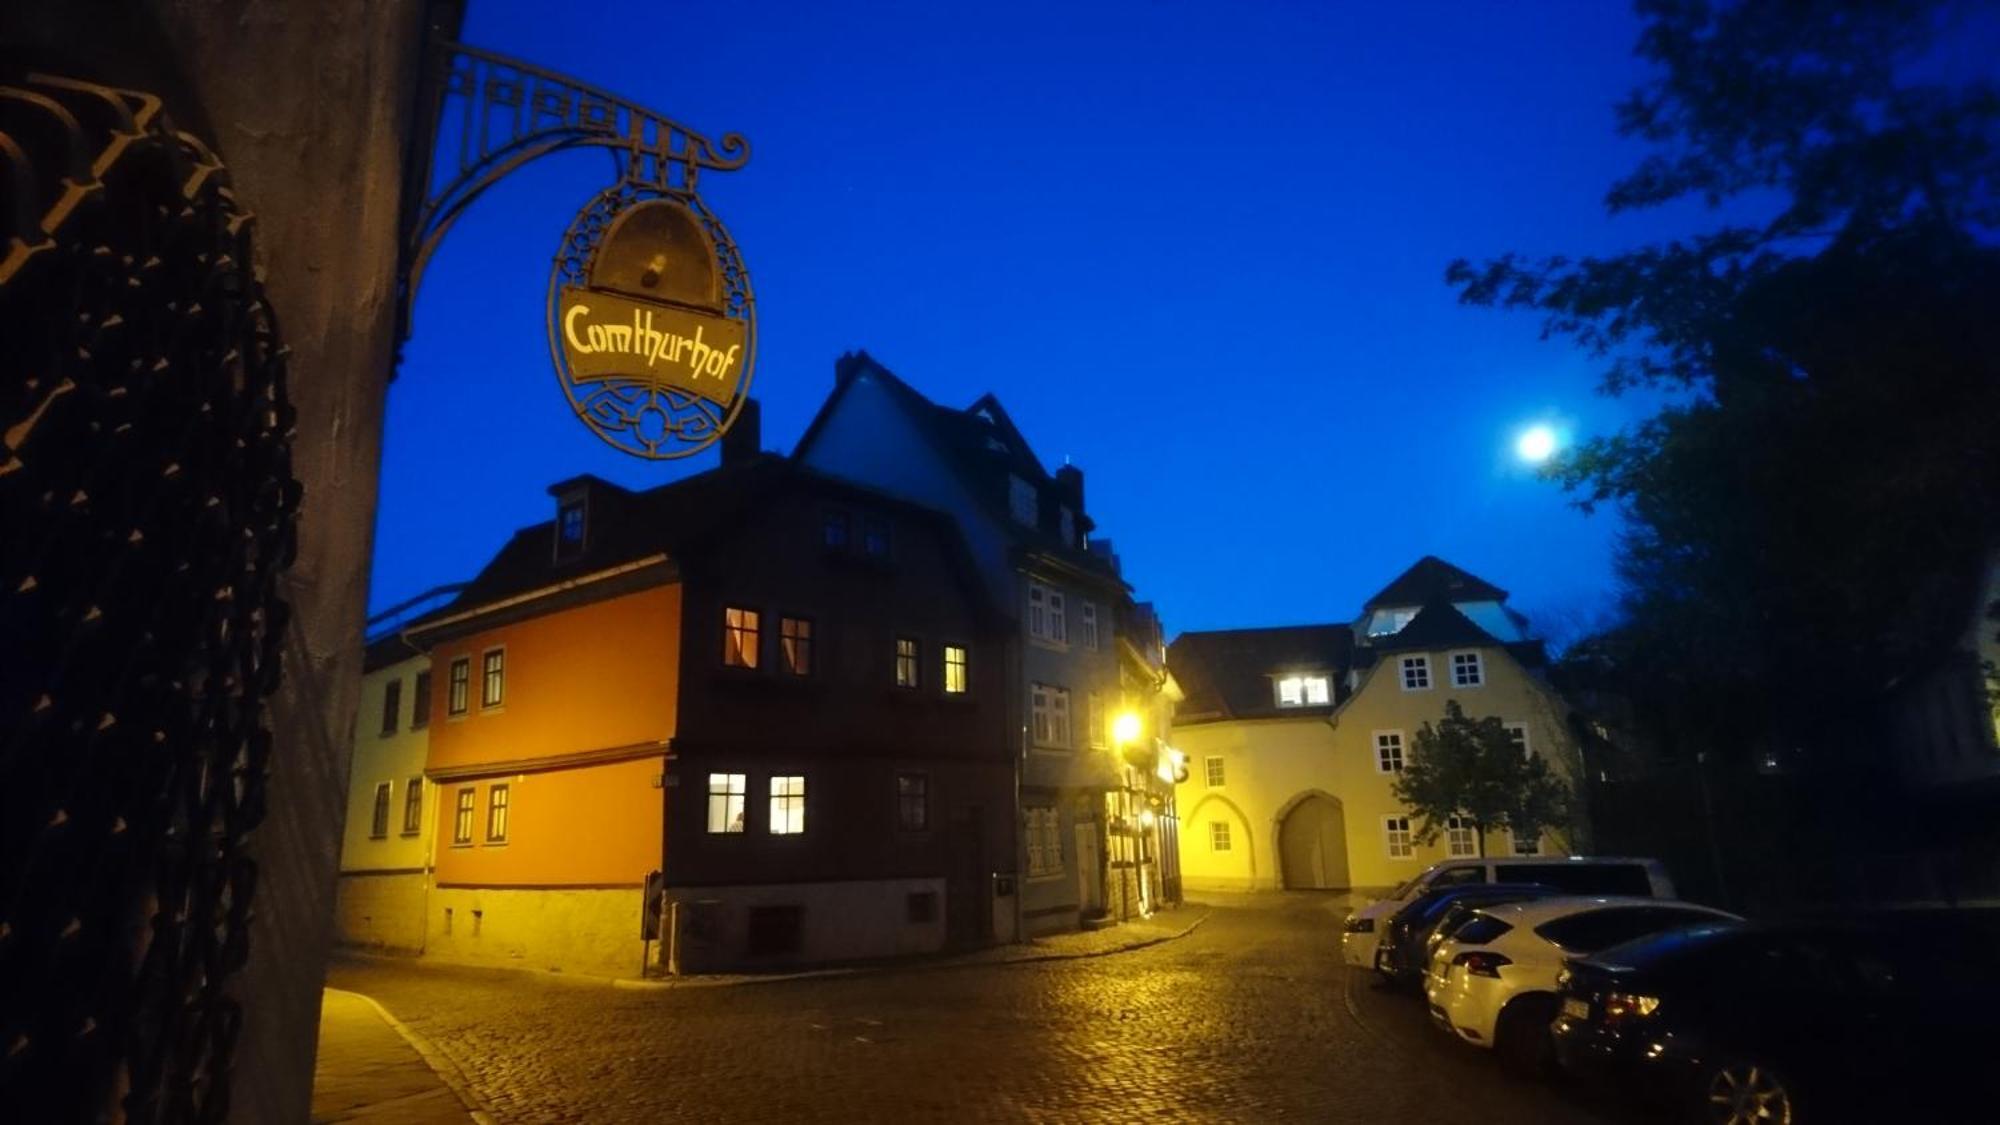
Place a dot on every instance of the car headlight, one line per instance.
(1360, 925)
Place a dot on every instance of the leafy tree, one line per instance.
(1472, 768)
(1808, 514)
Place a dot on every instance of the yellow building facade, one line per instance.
(386, 850)
(1294, 736)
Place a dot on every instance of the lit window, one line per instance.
(726, 793)
(906, 662)
(1526, 845)
(1046, 617)
(1022, 502)
(461, 685)
(1050, 708)
(1466, 670)
(1087, 622)
(413, 806)
(1396, 835)
(875, 537)
(1304, 691)
(1212, 771)
(739, 637)
(1416, 673)
(1458, 836)
(496, 814)
(392, 705)
(1095, 718)
(1218, 835)
(955, 681)
(913, 809)
(420, 702)
(788, 806)
(461, 823)
(1388, 751)
(492, 677)
(1517, 733)
(379, 825)
(795, 643)
(834, 532)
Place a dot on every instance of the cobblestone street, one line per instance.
(1250, 1017)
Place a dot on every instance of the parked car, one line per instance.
(1582, 875)
(1493, 982)
(1403, 951)
(1793, 1023)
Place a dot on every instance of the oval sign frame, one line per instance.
(660, 403)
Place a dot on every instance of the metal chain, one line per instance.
(146, 512)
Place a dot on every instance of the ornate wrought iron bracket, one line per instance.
(484, 115)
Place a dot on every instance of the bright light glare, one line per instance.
(1125, 728)
(1536, 444)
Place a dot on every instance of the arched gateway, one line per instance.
(1312, 843)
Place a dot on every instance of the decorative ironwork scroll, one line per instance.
(489, 115)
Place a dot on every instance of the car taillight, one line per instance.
(1482, 964)
(1361, 925)
(1622, 1006)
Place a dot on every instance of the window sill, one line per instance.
(1049, 877)
(1038, 748)
(408, 833)
(461, 843)
(1049, 645)
(496, 709)
(378, 835)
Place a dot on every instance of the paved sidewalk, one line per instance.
(370, 1070)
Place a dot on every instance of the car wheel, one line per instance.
(1745, 1092)
(1521, 1037)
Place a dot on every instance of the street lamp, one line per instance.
(1125, 728)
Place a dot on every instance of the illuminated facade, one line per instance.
(386, 850)
(1293, 736)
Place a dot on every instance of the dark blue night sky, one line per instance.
(1195, 247)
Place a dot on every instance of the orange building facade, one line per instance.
(552, 714)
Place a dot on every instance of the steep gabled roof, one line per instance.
(1432, 579)
(1227, 674)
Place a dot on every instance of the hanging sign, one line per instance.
(651, 322)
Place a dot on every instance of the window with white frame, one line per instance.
(795, 645)
(1396, 837)
(1517, 733)
(1087, 623)
(462, 814)
(1023, 502)
(955, 681)
(1212, 771)
(1047, 619)
(739, 637)
(1049, 706)
(493, 677)
(913, 809)
(1095, 718)
(1304, 691)
(1218, 835)
(1416, 673)
(788, 805)
(726, 792)
(1044, 839)
(1388, 751)
(1466, 670)
(392, 703)
(906, 662)
(1526, 845)
(413, 806)
(496, 813)
(461, 686)
(1458, 836)
(378, 825)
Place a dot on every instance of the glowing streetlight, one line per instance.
(1536, 444)
(1125, 728)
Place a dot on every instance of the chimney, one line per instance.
(745, 439)
(1069, 478)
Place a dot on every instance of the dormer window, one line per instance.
(1023, 503)
(1314, 690)
(1390, 621)
(571, 527)
(1067, 523)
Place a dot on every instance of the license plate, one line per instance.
(1576, 1009)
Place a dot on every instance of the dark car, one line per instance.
(1797, 1023)
(1403, 951)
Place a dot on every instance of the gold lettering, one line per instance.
(569, 328)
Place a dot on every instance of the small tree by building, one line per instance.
(1474, 770)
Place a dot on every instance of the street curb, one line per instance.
(440, 1063)
(905, 967)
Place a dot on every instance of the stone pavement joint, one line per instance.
(372, 1068)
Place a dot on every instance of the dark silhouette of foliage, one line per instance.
(1472, 768)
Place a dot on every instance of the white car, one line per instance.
(1493, 983)
(1584, 875)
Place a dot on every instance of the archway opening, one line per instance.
(1312, 845)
